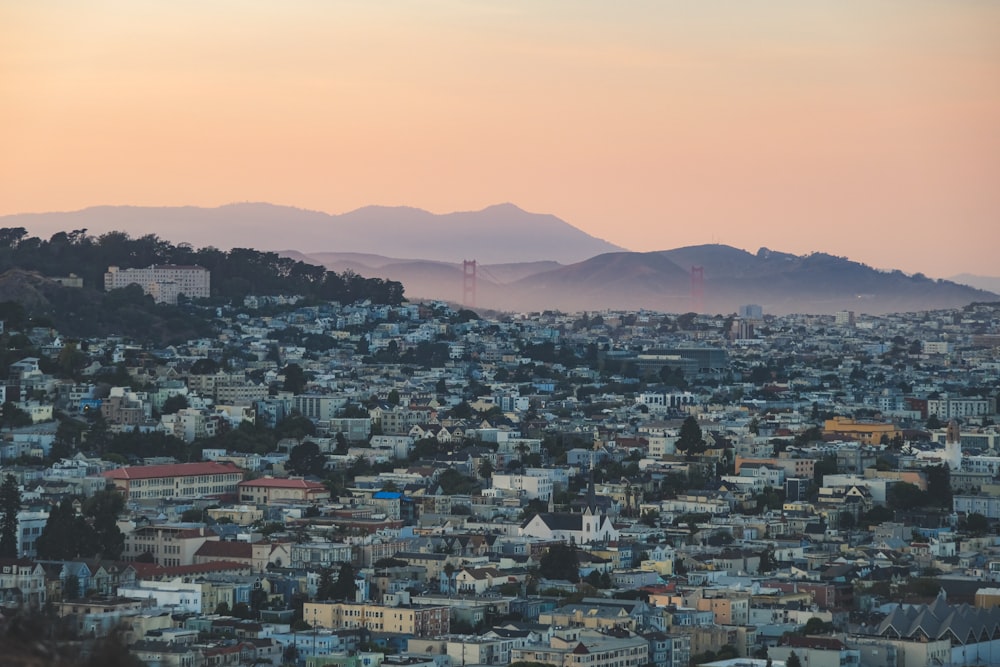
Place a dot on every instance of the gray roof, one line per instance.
(962, 624)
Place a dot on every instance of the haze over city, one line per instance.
(867, 130)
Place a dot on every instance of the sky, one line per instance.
(868, 129)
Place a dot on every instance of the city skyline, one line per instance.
(866, 131)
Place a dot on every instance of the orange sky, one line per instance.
(869, 129)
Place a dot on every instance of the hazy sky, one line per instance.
(869, 129)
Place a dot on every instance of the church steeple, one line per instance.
(591, 496)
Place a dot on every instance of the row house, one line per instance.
(22, 583)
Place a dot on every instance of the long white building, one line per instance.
(164, 282)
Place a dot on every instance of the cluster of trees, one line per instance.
(235, 274)
(340, 588)
(903, 495)
(560, 562)
(93, 532)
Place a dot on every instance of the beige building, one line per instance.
(176, 480)
(728, 610)
(168, 545)
(586, 649)
(420, 621)
(267, 490)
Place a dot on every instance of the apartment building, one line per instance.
(164, 282)
(416, 620)
(524, 486)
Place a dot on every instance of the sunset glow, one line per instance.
(867, 129)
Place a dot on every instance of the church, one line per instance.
(586, 527)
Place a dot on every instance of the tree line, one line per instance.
(235, 273)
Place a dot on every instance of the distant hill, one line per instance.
(780, 282)
(988, 283)
(498, 234)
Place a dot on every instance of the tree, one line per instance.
(306, 459)
(817, 626)
(793, 660)
(977, 524)
(66, 535)
(939, 485)
(825, 466)
(10, 505)
(344, 588)
(560, 562)
(295, 379)
(103, 509)
(14, 417)
(70, 360)
(324, 589)
(690, 439)
(485, 469)
(903, 495)
(767, 562)
(173, 404)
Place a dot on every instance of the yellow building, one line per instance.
(869, 433)
(416, 620)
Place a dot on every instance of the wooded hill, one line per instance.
(27, 265)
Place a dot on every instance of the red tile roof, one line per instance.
(218, 549)
(282, 483)
(172, 470)
(152, 570)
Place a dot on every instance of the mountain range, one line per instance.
(501, 233)
(780, 282)
(528, 261)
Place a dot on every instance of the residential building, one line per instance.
(416, 620)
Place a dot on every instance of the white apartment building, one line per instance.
(171, 594)
(164, 282)
(526, 486)
(958, 408)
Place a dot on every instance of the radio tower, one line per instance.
(697, 289)
(469, 283)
